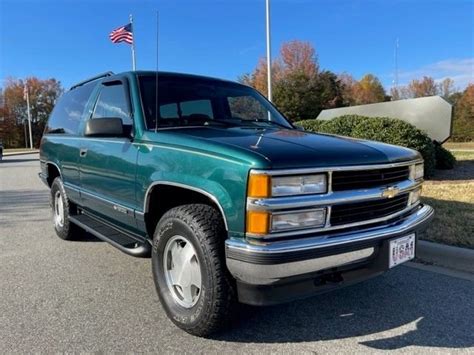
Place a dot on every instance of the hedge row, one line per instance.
(387, 130)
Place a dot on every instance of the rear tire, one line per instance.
(61, 211)
(191, 278)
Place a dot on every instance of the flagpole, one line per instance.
(133, 44)
(29, 115)
(269, 60)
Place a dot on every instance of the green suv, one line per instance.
(231, 201)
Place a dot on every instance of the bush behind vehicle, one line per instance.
(387, 130)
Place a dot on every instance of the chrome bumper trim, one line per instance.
(266, 274)
(256, 273)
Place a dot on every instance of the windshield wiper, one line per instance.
(224, 122)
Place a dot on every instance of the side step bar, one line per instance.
(119, 239)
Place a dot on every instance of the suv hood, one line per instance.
(284, 148)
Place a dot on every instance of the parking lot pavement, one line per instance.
(86, 296)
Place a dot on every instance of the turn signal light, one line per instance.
(258, 222)
(259, 186)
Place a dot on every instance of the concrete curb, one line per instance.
(9, 154)
(444, 255)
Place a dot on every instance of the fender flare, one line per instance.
(146, 201)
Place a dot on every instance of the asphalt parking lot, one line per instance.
(86, 296)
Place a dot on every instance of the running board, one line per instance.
(119, 239)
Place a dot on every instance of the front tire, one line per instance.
(61, 211)
(189, 269)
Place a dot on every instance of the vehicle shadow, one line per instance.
(463, 170)
(83, 236)
(408, 307)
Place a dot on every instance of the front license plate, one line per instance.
(401, 250)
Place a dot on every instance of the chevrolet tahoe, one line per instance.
(232, 202)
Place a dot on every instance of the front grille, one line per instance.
(351, 180)
(367, 210)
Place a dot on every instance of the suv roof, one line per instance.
(149, 72)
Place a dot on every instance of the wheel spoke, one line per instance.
(195, 271)
(187, 294)
(175, 275)
(187, 253)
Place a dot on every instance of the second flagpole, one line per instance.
(133, 44)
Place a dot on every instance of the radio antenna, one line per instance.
(156, 76)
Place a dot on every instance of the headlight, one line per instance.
(262, 222)
(419, 171)
(261, 185)
(299, 185)
(297, 220)
(415, 196)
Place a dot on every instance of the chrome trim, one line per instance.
(279, 172)
(264, 274)
(338, 197)
(188, 187)
(258, 274)
(287, 246)
(71, 187)
(113, 204)
(329, 183)
(328, 217)
(328, 227)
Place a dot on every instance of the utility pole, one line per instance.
(269, 59)
(27, 97)
(396, 64)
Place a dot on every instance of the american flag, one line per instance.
(122, 34)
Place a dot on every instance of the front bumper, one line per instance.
(266, 273)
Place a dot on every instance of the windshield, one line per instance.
(189, 101)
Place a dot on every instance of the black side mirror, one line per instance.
(104, 127)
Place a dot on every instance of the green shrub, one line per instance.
(310, 125)
(444, 158)
(383, 129)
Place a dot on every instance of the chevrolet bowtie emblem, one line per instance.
(390, 192)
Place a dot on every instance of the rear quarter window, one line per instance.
(69, 111)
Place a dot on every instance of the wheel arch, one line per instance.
(181, 193)
(53, 171)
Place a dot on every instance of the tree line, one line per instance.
(301, 89)
(13, 111)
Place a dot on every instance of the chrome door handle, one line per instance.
(83, 152)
